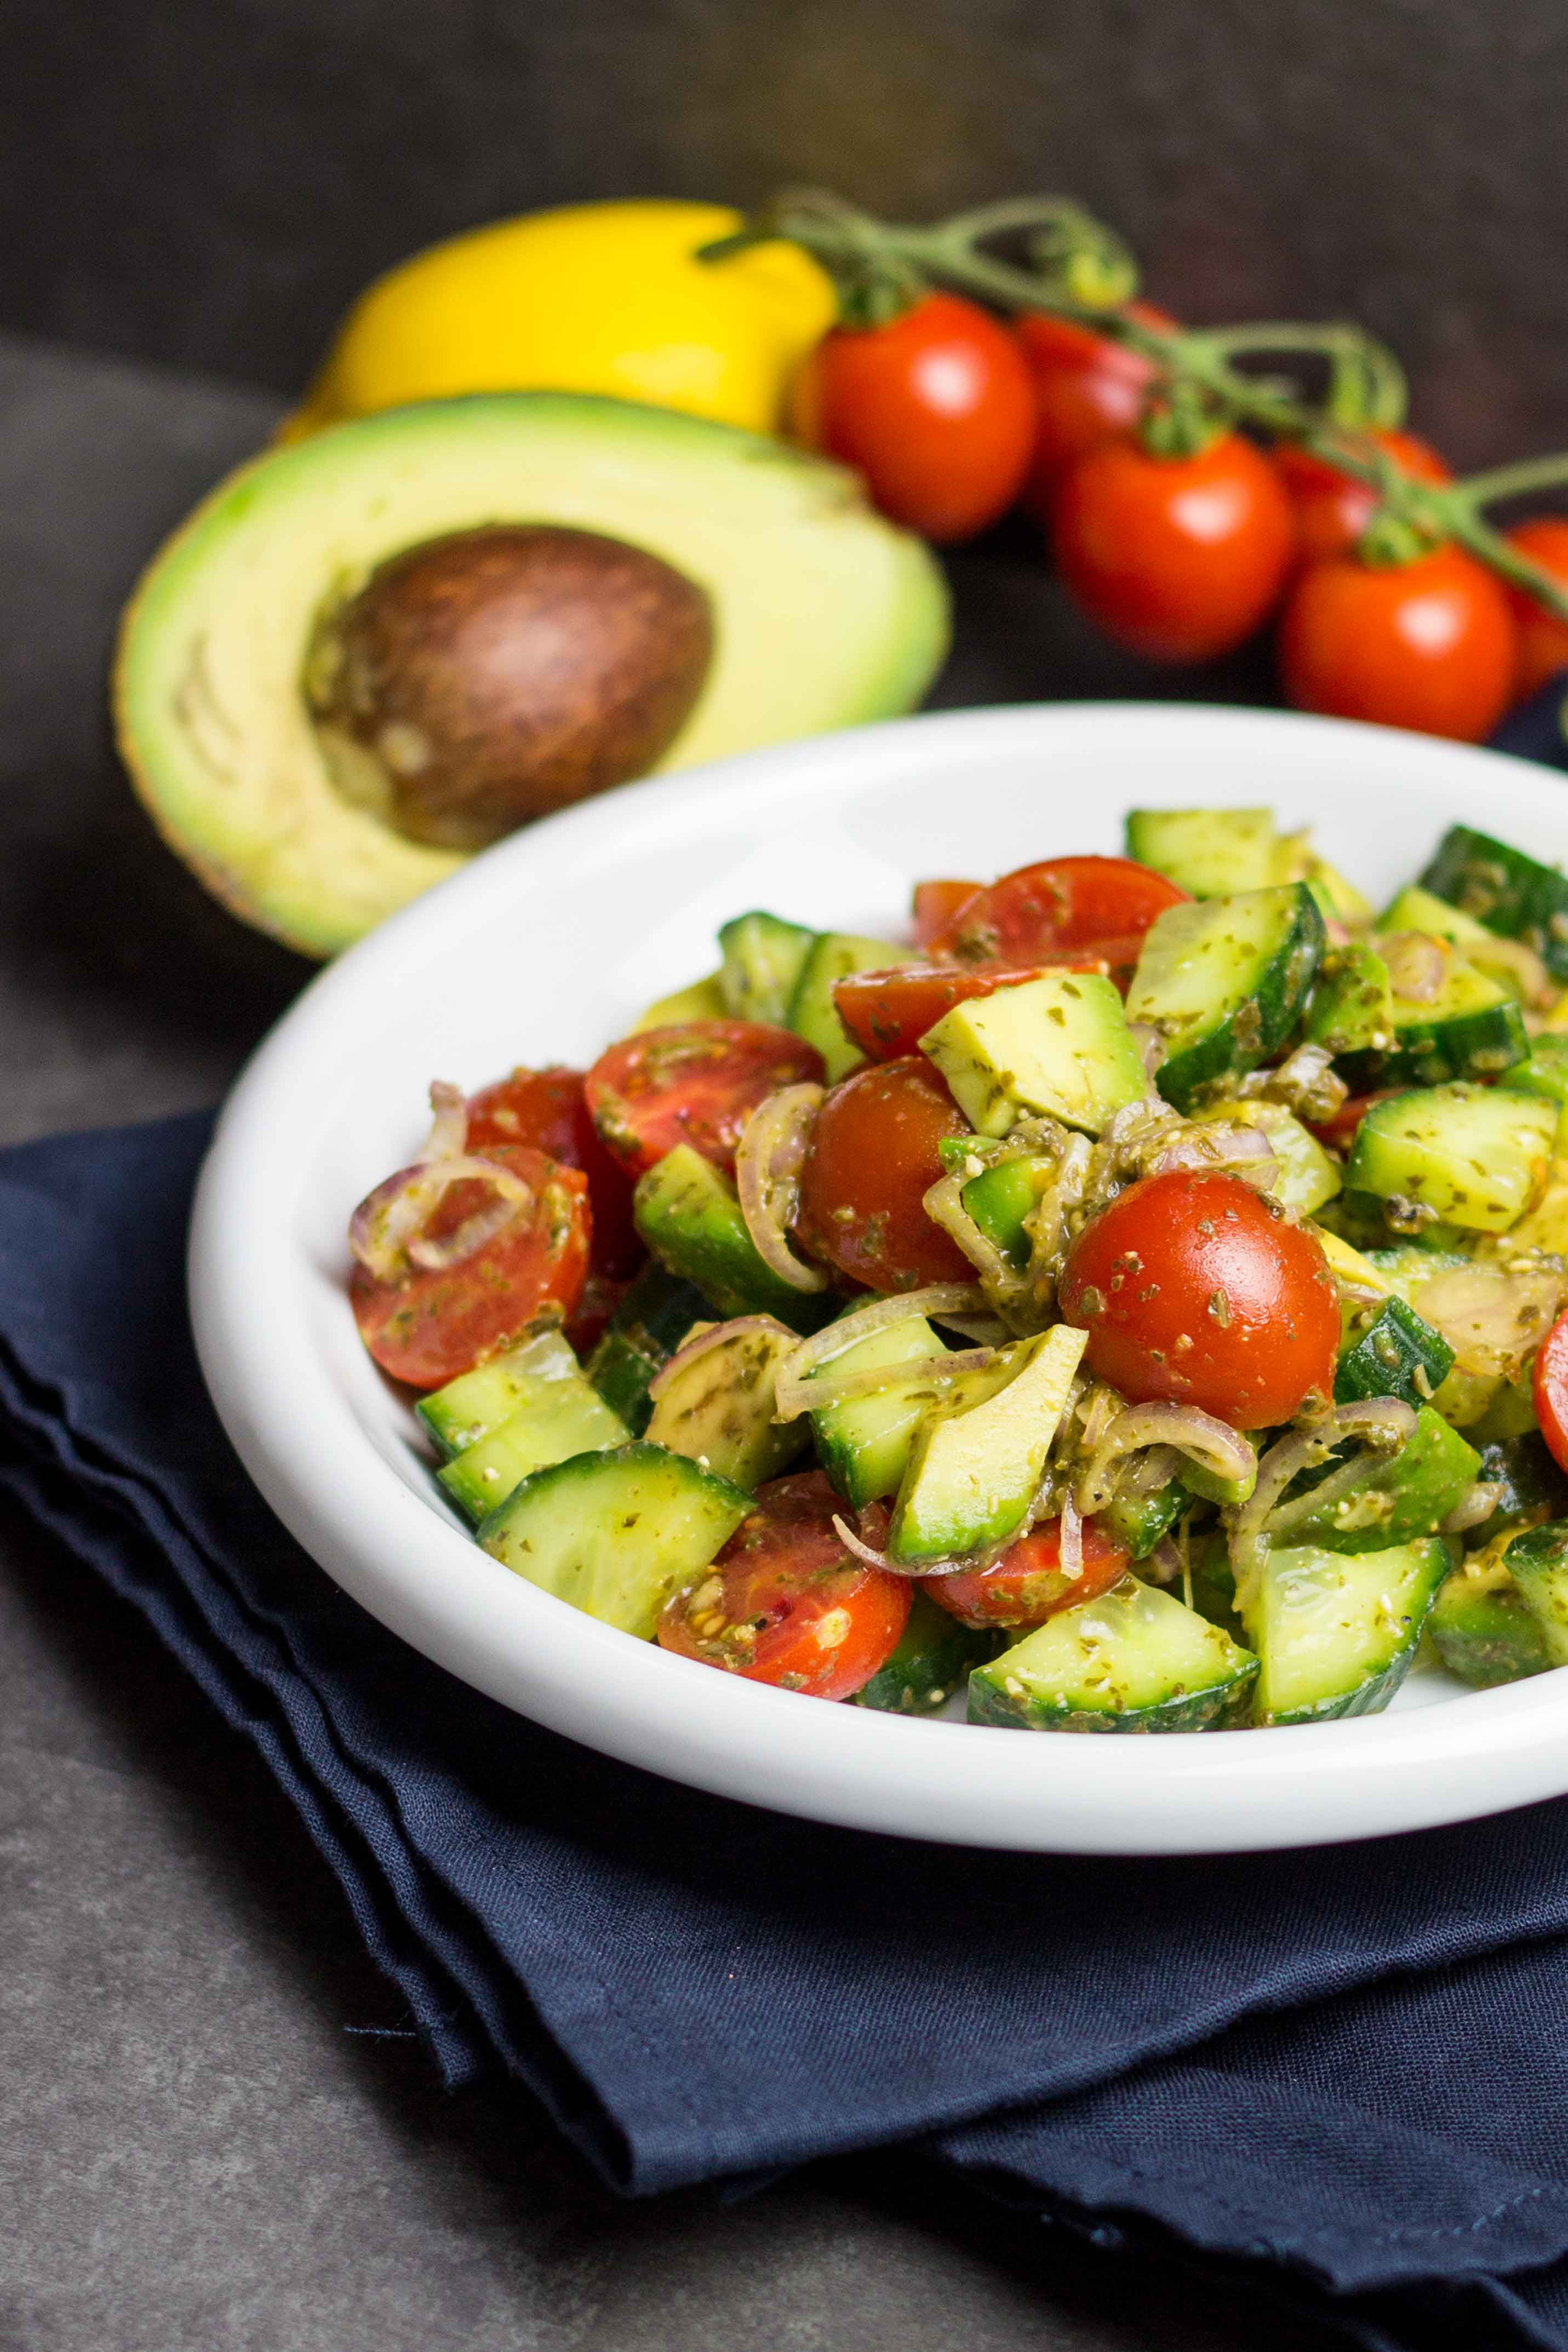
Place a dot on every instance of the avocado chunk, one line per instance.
(718, 1408)
(975, 1462)
(1058, 1047)
(844, 619)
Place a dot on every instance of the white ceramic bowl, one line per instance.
(548, 946)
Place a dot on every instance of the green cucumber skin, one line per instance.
(690, 1217)
(1139, 1521)
(1373, 1692)
(1260, 1022)
(1538, 1561)
(1351, 1009)
(832, 956)
(644, 1332)
(934, 1657)
(1136, 1659)
(1485, 1637)
(1512, 895)
(763, 956)
(1430, 1474)
(1386, 1359)
(1368, 1698)
(1473, 1154)
(1477, 1044)
(1215, 1710)
(1546, 1071)
(1533, 1487)
(573, 1420)
(864, 1445)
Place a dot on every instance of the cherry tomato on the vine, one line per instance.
(1181, 558)
(1193, 1288)
(1028, 1583)
(1429, 645)
(549, 1109)
(786, 1604)
(426, 1325)
(1331, 508)
(1060, 906)
(936, 409)
(873, 1157)
(1089, 388)
(697, 1083)
(1550, 1387)
(1542, 638)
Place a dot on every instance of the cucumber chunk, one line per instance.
(1213, 852)
(864, 1445)
(1137, 1521)
(933, 1658)
(813, 1014)
(476, 1403)
(1057, 1047)
(975, 1462)
(1335, 1636)
(644, 1332)
(703, 1001)
(1396, 1355)
(1225, 982)
(616, 1533)
(719, 1409)
(1532, 1486)
(1352, 1003)
(1135, 1659)
(762, 959)
(688, 1213)
(1509, 893)
(1546, 1073)
(1471, 1028)
(1483, 1630)
(1476, 1156)
(1415, 909)
(1538, 1562)
(562, 1418)
(1000, 1200)
(1400, 1497)
(1305, 1176)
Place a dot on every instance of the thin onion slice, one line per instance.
(1069, 1540)
(937, 1298)
(1417, 965)
(768, 1162)
(1474, 1507)
(1185, 1427)
(713, 1335)
(873, 1559)
(1226, 1146)
(448, 1135)
(818, 1390)
(386, 1230)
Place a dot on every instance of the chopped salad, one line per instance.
(1137, 1302)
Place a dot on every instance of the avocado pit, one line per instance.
(489, 676)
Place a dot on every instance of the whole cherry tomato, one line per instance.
(888, 1013)
(934, 906)
(1193, 1288)
(1087, 388)
(936, 409)
(549, 1109)
(1542, 638)
(1429, 645)
(426, 1323)
(1333, 509)
(697, 1083)
(1029, 1584)
(1550, 1387)
(1060, 905)
(1181, 558)
(873, 1158)
(786, 1603)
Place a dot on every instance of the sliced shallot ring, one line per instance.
(873, 1559)
(818, 1390)
(448, 1135)
(1184, 1427)
(878, 1315)
(769, 1159)
(717, 1335)
(1417, 965)
(1225, 1144)
(384, 1230)
(1071, 1539)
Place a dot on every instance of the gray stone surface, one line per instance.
(215, 2130)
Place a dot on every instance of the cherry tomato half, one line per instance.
(1429, 645)
(1542, 638)
(1181, 558)
(1331, 508)
(427, 1325)
(1549, 1389)
(935, 905)
(1027, 1584)
(1339, 1131)
(1088, 389)
(786, 1603)
(549, 1109)
(698, 1083)
(888, 1013)
(1192, 1288)
(873, 1158)
(1062, 905)
(936, 410)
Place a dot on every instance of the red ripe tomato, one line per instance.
(935, 905)
(1542, 638)
(1181, 558)
(426, 1325)
(1099, 906)
(549, 1109)
(590, 1318)
(1087, 388)
(1550, 1388)
(698, 1083)
(1333, 509)
(786, 1603)
(1429, 645)
(936, 410)
(873, 1158)
(1194, 1288)
(1339, 1132)
(1028, 1583)
(888, 1013)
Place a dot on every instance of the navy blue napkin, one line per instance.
(1346, 2068)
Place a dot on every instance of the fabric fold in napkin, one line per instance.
(1348, 2065)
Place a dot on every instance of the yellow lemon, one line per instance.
(590, 298)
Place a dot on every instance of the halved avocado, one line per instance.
(824, 615)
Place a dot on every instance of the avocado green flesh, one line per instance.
(827, 615)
